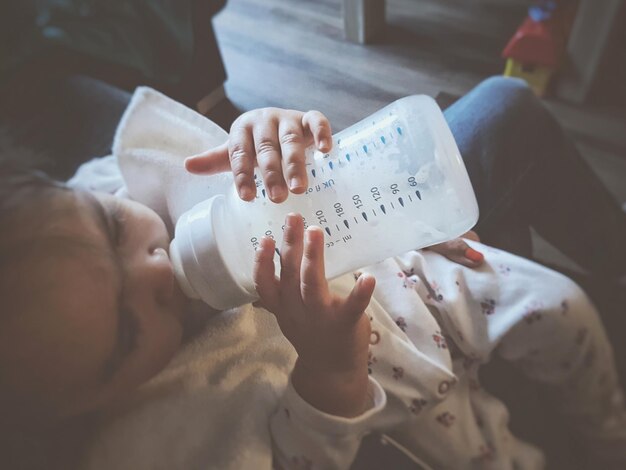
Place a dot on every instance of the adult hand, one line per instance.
(460, 252)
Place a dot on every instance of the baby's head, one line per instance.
(89, 305)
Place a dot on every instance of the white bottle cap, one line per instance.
(198, 261)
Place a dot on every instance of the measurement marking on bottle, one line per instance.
(330, 165)
(348, 156)
(365, 148)
(374, 212)
(313, 173)
(401, 201)
(263, 191)
(399, 129)
(410, 198)
(392, 206)
(355, 220)
(364, 216)
(382, 208)
(327, 230)
(330, 244)
(382, 139)
(337, 227)
(345, 222)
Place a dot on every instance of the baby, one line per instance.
(91, 311)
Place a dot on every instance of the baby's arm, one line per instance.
(330, 333)
(330, 400)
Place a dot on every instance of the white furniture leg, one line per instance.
(362, 19)
(587, 41)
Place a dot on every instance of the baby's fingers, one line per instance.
(319, 127)
(242, 159)
(266, 284)
(290, 261)
(269, 159)
(360, 297)
(313, 284)
(292, 145)
(210, 162)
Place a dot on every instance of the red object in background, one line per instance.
(542, 42)
(534, 43)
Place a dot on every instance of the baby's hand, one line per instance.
(330, 333)
(275, 140)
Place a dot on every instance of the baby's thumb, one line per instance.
(212, 161)
(360, 297)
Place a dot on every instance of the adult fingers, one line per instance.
(292, 145)
(319, 127)
(471, 235)
(291, 259)
(210, 162)
(242, 157)
(268, 157)
(460, 252)
(359, 297)
(265, 281)
(313, 284)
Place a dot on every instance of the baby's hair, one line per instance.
(27, 197)
(20, 185)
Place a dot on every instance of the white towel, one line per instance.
(210, 408)
(153, 139)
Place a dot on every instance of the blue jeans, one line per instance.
(527, 173)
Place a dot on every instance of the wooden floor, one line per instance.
(292, 54)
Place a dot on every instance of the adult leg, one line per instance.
(527, 173)
(67, 120)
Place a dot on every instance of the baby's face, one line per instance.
(101, 312)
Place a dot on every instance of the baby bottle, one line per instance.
(393, 182)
